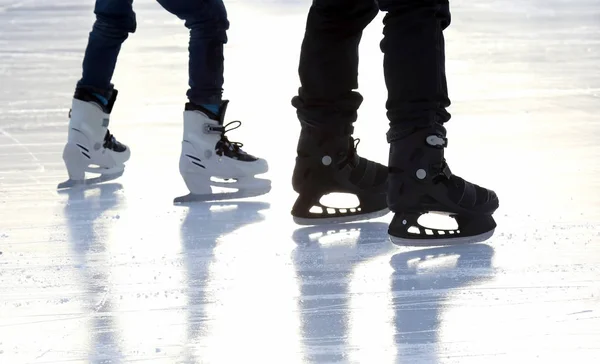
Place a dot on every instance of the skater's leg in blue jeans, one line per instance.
(115, 19)
(208, 24)
(91, 147)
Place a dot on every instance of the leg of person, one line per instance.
(89, 142)
(208, 160)
(420, 180)
(327, 161)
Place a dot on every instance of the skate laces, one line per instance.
(354, 151)
(110, 142)
(351, 156)
(226, 143)
(356, 142)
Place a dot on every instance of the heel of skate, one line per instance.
(77, 161)
(405, 230)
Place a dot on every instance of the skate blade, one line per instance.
(340, 219)
(90, 181)
(460, 240)
(191, 197)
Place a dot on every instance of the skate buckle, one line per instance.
(211, 129)
(437, 141)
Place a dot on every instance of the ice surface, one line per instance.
(119, 274)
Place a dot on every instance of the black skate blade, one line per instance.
(470, 230)
(90, 181)
(340, 219)
(425, 242)
(222, 196)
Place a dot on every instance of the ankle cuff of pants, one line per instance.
(397, 132)
(331, 116)
(327, 129)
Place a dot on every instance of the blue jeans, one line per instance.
(115, 19)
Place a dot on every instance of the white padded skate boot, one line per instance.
(207, 155)
(90, 145)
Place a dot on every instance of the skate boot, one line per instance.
(90, 145)
(328, 163)
(207, 155)
(420, 182)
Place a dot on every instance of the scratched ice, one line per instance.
(119, 274)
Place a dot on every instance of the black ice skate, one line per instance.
(420, 182)
(328, 163)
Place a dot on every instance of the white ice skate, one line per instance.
(90, 146)
(207, 156)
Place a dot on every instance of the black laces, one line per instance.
(225, 143)
(110, 142)
(353, 157)
(350, 155)
(356, 142)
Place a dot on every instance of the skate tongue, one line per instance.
(222, 111)
(219, 117)
(104, 98)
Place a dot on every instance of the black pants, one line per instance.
(414, 62)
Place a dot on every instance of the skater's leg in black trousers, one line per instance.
(327, 106)
(414, 61)
(420, 180)
(329, 62)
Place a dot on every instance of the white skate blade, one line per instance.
(108, 171)
(340, 219)
(91, 181)
(221, 196)
(77, 166)
(442, 242)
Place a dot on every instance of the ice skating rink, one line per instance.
(118, 274)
